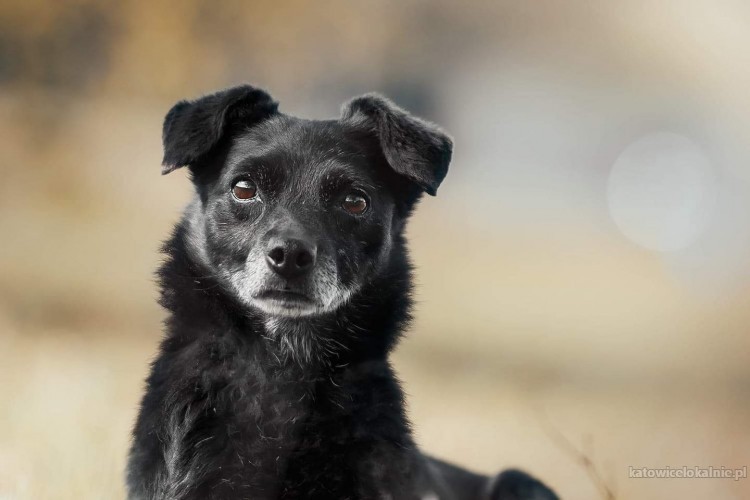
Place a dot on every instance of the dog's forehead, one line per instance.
(296, 141)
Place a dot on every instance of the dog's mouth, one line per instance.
(286, 298)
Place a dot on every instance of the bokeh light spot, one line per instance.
(661, 192)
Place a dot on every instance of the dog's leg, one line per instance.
(454, 483)
(513, 484)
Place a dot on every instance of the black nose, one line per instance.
(290, 258)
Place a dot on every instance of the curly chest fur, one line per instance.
(239, 418)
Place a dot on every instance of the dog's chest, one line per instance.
(261, 413)
(265, 405)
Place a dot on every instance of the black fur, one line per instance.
(191, 130)
(414, 148)
(292, 397)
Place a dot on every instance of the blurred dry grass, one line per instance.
(71, 395)
(554, 319)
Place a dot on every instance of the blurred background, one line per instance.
(584, 273)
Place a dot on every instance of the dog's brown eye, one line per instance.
(355, 203)
(244, 190)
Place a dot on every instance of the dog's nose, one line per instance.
(290, 258)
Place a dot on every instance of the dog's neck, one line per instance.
(365, 329)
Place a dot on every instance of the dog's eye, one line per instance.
(355, 203)
(244, 190)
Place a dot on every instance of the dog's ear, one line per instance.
(414, 148)
(193, 128)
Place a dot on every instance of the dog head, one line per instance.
(295, 216)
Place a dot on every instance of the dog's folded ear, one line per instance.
(414, 148)
(193, 128)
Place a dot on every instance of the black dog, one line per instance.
(287, 282)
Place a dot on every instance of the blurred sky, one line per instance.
(594, 226)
